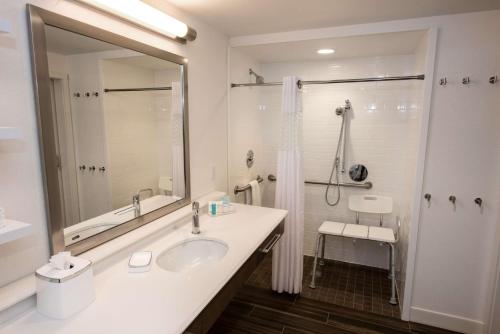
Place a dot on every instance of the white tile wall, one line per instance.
(383, 135)
(131, 131)
(246, 123)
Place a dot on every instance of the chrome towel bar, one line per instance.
(239, 189)
(366, 185)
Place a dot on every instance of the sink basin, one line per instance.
(192, 253)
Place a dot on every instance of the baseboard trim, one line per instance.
(446, 321)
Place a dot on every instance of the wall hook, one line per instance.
(453, 200)
(427, 197)
(466, 80)
(102, 169)
(493, 79)
(443, 81)
(82, 167)
(76, 94)
(96, 94)
(92, 168)
(87, 94)
(479, 202)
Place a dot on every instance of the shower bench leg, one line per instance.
(320, 242)
(312, 285)
(323, 242)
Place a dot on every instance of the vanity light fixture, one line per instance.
(325, 51)
(146, 16)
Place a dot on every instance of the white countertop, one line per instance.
(160, 301)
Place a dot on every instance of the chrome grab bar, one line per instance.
(271, 244)
(366, 185)
(239, 189)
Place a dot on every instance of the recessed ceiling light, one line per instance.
(326, 51)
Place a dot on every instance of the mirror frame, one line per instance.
(37, 19)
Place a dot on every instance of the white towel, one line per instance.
(256, 200)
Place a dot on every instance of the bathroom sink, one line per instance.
(192, 253)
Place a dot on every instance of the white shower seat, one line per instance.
(382, 234)
(366, 204)
(331, 228)
(357, 231)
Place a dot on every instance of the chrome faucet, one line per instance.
(196, 219)
(136, 201)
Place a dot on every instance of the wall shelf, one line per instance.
(5, 26)
(13, 230)
(9, 133)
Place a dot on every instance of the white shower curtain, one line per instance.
(287, 255)
(177, 141)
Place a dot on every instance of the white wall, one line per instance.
(89, 134)
(21, 191)
(455, 249)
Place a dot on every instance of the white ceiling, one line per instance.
(69, 43)
(401, 43)
(246, 17)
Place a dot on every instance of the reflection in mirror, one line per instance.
(358, 172)
(118, 123)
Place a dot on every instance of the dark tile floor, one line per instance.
(260, 311)
(343, 284)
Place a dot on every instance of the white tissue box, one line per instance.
(62, 293)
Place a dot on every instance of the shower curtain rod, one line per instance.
(321, 82)
(107, 90)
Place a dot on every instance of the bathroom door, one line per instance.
(63, 125)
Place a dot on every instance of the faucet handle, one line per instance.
(135, 198)
(196, 207)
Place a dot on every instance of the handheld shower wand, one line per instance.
(340, 111)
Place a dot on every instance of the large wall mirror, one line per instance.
(113, 130)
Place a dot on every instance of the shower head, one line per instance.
(258, 78)
(340, 111)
